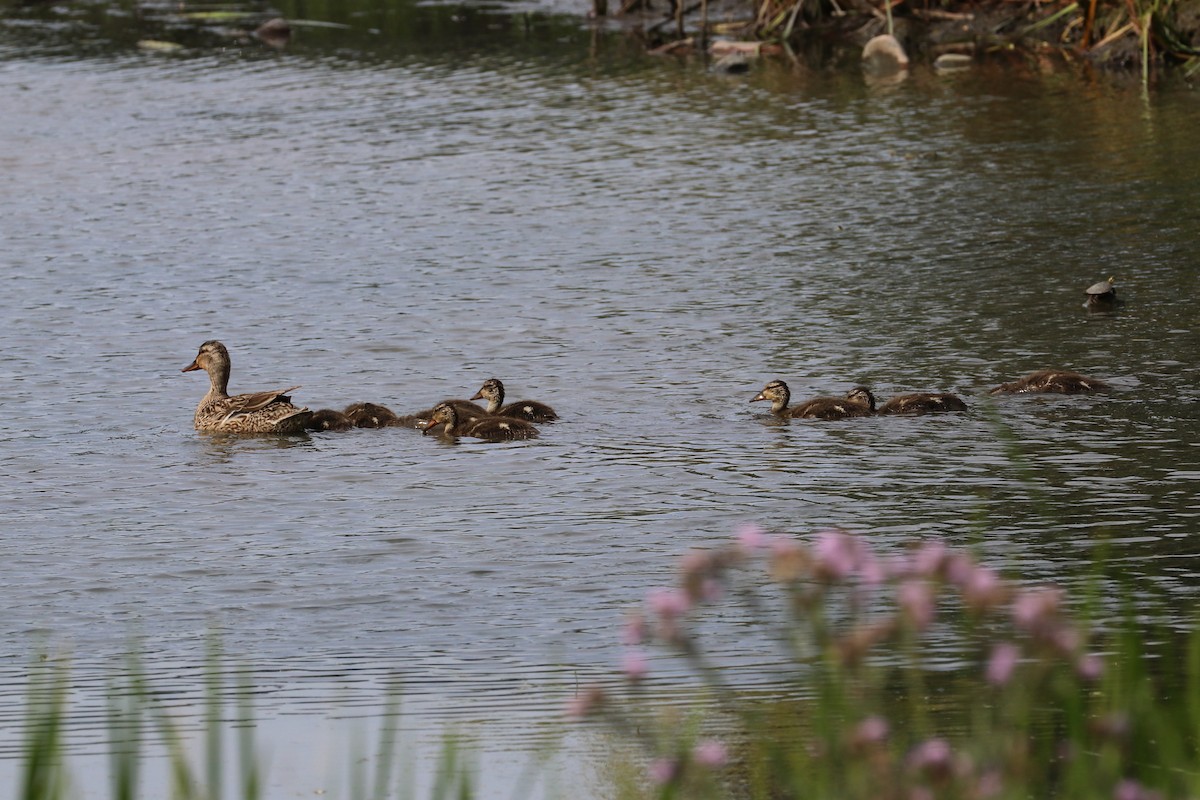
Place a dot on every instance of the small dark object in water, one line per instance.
(732, 64)
(275, 32)
(915, 403)
(884, 55)
(1102, 296)
(327, 419)
(818, 408)
(1051, 381)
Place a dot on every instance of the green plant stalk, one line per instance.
(44, 775)
(125, 711)
(212, 721)
(1050, 20)
(251, 771)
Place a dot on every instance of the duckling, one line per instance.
(1053, 381)
(530, 410)
(446, 417)
(915, 403)
(257, 412)
(467, 412)
(327, 419)
(369, 415)
(1102, 296)
(817, 408)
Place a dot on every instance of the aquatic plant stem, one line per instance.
(44, 776)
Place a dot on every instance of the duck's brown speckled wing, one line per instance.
(256, 401)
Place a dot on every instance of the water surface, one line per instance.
(642, 244)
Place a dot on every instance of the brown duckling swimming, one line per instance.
(328, 419)
(529, 410)
(257, 412)
(1102, 296)
(778, 394)
(369, 415)
(1051, 381)
(467, 412)
(915, 403)
(444, 419)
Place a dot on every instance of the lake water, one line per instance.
(396, 210)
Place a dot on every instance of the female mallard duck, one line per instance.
(327, 419)
(1102, 296)
(259, 412)
(915, 403)
(817, 408)
(529, 410)
(1051, 381)
(369, 415)
(445, 417)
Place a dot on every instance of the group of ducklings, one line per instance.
(273, 411)
(860, 402)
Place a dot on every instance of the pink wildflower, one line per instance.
(635, 666)
(1002, 663)
(933, 757)
(1034, 610)
(959, 567)
(929, 558)
(583, 703)
(789, 561)
(1132, 790)
(991, 784)
(668, 604)
(1067, 640)
(872, 730)
(1090, 667)
(711, 590)
(634, 631)
(916, 599)
(751, 537)
(982, 588)
(696, 563)
(710, 753)
(838, 554)
(663, 770)
(872, 571)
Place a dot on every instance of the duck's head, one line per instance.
(861, 394)
(776, 392)
(442, 414)
(491, 390)
(212, 355)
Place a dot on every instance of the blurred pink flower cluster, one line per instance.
(848, 600)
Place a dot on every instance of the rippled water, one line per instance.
(642, 244)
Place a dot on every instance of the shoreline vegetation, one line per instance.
(1037, 694)
(1150, 37)
(1145, 35)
